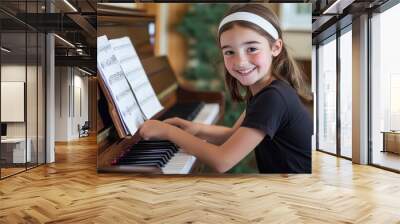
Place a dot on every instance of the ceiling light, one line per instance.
(5, 50)
(65, 41)
(331, 7)
(337, 7)
(84, 71)
(70, 5)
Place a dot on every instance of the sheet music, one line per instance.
(137, 78)
(118, 86)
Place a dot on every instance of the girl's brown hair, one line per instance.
(283, 66)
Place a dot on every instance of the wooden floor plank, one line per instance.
(70, 191)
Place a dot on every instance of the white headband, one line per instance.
(252, 18)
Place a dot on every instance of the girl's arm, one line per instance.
(221, 158)
(215, 134)
(219, 134)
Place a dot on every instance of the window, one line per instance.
(346, 93)
(385, 89)
(327, 96)
(22, 75)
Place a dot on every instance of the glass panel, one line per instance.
(31, 98)
(327, 97)
(385, 84)
(41, 99)
(345, 94)
(31, 87)
(314, 90)
(23, 78)
(13, 86)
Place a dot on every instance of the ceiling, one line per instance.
(72, 20)
(75, 21)
(330, 15)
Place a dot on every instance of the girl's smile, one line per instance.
(245, 71)
(247, 56)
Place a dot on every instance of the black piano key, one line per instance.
(164, 156)
(167, 153)
(196, 111)
(144, 148)
(162, 159)
(142, 163)
(137, 149)
(140, 157)
(140, 146)
(143, 158)
(155, 142)
(140, 149)
(151, 146)
(148, 153)
(186, 111)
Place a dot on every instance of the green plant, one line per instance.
(199, 26)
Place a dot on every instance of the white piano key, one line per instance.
(181, 163)
(207, 114)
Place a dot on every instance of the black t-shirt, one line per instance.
(278, 112)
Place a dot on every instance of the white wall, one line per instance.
(61, 103)
(33, 126)
(14, 73)
(71, 93)
(80, 110)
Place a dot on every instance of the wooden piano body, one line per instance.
(115, 22)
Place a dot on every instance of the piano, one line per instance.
(120, 153)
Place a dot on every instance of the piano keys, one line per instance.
(182, 163)
(148, 153)
(163, 156)
(183, 110)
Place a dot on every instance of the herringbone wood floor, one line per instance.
(70, 191)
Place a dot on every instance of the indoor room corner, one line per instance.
(72, 95)
(75, 84)
(356, 78)
(23, 80)
(48, 84)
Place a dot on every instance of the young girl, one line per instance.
(275, 122)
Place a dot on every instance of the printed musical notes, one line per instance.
(127, 82)
(118, 86)
(137, 78)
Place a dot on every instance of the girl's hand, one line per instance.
(185, 125)
(153, 129)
